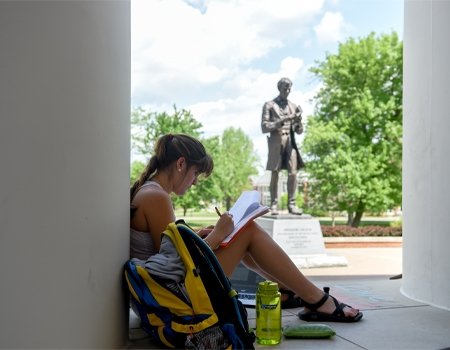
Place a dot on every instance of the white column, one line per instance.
(64, 179)
(426, 152)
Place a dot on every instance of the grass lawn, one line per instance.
(205, 218)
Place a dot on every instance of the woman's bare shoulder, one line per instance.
(149, 196)
(154, 209)
(153, 199)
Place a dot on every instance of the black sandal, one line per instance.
(337, 316)
(292, 301)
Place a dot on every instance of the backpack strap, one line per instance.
(209, 253)
(201, 304)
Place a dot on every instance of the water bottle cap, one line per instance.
(268, 286)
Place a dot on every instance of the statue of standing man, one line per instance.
(283, 119)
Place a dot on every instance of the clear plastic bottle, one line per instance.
(268, 314)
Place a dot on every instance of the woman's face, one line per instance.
(187, 178)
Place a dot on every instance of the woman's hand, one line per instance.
(222, 229)
(205, 231)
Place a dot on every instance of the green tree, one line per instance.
(148, 126)
(353, 142)
(207, 190)
(211, 187)
(236, 163)
(137, 167)
(233, 153)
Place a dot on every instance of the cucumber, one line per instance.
(315, 330)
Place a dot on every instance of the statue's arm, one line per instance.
(297, 121)
(267, 124)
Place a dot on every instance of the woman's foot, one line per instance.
(289, 300)
(330, 309)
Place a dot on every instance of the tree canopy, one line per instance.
(148, 126)
(353, 142)
(233, 153)
(236, 163)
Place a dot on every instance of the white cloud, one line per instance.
(199, 54)
(244, 111)
(331, 29)
(222, 59)
(176, 47)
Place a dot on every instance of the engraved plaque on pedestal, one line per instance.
(301, 238)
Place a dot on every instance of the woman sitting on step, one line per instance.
(175, 166)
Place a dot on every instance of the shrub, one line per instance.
(397, 223)
(365, 231)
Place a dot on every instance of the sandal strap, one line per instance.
(339, 311)
(314, 307)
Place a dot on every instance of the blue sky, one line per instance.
(221, 59)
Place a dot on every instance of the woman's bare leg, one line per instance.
(248, 262)
(271, 259)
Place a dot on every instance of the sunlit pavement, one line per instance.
(391, 320)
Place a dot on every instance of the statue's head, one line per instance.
(284, 87)
(284, 81)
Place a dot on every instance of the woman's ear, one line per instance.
(181, 164)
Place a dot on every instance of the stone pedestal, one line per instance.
(301, 238)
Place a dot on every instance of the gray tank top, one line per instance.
(141, 243)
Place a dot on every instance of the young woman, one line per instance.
(175, 166)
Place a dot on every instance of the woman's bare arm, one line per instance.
(154, 213)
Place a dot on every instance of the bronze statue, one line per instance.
(282, 118)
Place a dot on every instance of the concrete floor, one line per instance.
(391, 321)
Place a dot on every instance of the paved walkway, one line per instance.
(366, 261)
(391, 320)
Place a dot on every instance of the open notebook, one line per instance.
(245, 282)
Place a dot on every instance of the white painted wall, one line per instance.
(64, 179)
(426, 152)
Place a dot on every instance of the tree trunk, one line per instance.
(349, 218)
(228, 203)
(358, 215)
(357, 219)
(185, 211)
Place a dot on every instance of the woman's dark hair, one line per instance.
(168, 149)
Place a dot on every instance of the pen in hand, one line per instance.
(217, 211)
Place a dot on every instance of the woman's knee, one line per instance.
(248, 261)
(254, 228)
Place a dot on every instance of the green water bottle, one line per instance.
(268, 314)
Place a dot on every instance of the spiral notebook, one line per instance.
(246, 209)
(245, 282)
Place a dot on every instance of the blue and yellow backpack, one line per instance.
(207, 314)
